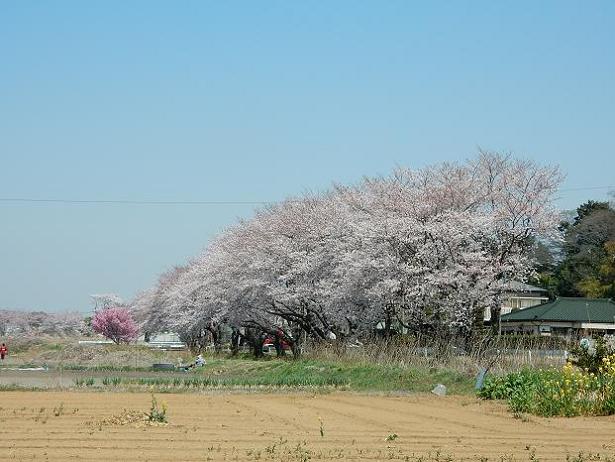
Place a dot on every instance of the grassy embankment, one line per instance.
(129, 367)
(305, 373)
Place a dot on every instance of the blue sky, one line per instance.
(255, 101)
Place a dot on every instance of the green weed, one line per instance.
(156, 413)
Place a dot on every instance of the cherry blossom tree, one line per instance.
(36, 323)
(116, 324)
(428, 250)
(104, 301)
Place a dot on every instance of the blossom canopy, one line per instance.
(116, 324)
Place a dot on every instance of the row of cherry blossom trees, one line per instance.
(30, 324)
(111, 318)
(427, 250)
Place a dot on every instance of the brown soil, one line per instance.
(65, 426)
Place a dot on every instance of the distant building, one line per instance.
(566, 316)
(520, 296)
(162, 340)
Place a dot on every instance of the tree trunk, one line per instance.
(279, 349)
(296, 349)
(235, 339)
(257, 350)
(496, 312)
(215, 333)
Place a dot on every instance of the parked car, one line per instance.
(269, 345)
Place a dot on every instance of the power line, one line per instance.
(184, 202)
(586, 188)
(130, 202)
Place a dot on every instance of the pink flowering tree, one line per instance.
(116, 324)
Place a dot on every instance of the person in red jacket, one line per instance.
(3, 351)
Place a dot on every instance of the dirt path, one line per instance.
(63, 426)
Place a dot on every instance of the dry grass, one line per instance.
(499, 355)
(507, 354)
(67, 353)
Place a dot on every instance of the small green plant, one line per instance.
(58, 411)
(392, 437)
(84, 382)
(585, 457)
(40, 414)
(521, 416)
(114, 381)
(156, 413)
(532, 453)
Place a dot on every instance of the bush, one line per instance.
(157, 414)
(590, 353)
(567, 392)
(516, 387)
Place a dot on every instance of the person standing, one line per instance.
(3, 351)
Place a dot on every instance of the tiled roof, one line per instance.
(574, 309)
(516, 286)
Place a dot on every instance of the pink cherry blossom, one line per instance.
(116, 324)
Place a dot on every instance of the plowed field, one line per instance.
(64, 426)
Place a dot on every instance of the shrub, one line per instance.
(568, 392)
(589, 354)
(157, 414)
(502, 387)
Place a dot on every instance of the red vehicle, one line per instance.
(269, 344)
